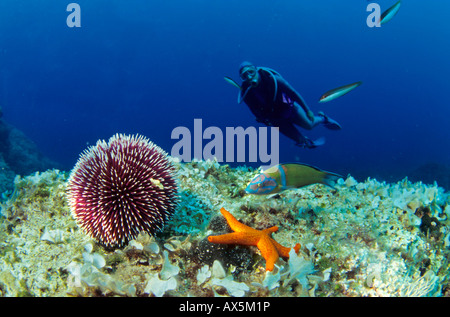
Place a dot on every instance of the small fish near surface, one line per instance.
(286, 176)
(338, 92)
(387, 15)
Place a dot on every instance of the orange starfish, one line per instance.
(245, 235)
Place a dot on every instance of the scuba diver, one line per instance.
(275, 103)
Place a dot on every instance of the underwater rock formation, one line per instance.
(18, 155)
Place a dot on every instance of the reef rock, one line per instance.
(18, 155)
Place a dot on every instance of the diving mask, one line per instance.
(250, 74)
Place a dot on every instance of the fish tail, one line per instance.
(330, 179)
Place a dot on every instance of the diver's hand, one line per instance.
(310, 115)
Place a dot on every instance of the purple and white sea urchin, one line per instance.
(120, 188)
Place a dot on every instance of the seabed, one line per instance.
(363, 239)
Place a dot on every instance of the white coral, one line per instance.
(299, 268)
(235, 289)
(168, 270)
(166, 281)
(203, 274)
(159, 287)
(272, 280)
(53, 236)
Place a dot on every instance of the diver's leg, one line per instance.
(289, 130)
(301, 119)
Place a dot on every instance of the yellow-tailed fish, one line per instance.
(387, 15)
(286, 176)
(338, 92)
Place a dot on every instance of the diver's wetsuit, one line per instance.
(275, 103)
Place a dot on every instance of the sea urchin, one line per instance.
(120, 188)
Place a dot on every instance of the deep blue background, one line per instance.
(147, 67)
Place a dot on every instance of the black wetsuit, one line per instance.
(278, 104)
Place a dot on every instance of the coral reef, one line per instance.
(366, 238)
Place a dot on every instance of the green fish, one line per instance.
(338, 92)
(286, 176)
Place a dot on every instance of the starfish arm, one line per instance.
(235, 238)
(235, 225)
(268, 251)
(270, 230)
(283, 251)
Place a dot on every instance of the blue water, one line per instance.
(148, 67)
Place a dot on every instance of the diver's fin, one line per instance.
(332, 125)
(232, 81)
(330, 179)
(310, 144)
(329, 123)
(319, 141)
